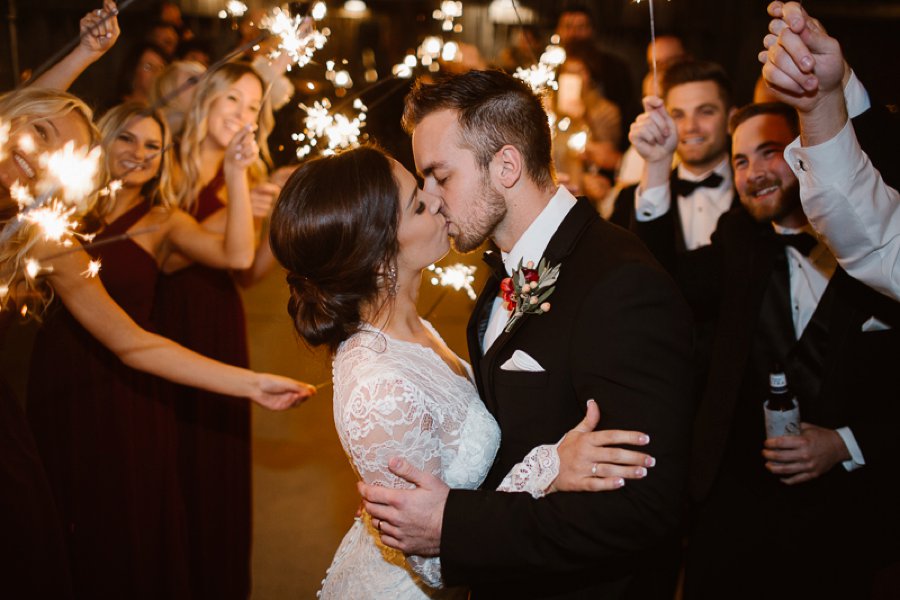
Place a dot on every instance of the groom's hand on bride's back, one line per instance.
(591, 461)
(408, 519)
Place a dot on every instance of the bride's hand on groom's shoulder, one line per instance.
(590, 461)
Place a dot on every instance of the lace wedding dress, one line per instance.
(397, 398)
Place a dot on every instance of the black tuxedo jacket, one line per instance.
(844, 374)
(665, 235)
(619, 332)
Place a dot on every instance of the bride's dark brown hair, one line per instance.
(334, 228)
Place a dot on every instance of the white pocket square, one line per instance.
(520, 361)
(874, 324)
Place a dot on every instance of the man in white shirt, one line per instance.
(845, 197)
(684, 205)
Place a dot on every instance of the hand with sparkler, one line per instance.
(802, 64)
(99, 30)
(655, 137)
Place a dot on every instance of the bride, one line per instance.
(354, 233)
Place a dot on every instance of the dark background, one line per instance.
(729, 32)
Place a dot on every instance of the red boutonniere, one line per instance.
(528, 289)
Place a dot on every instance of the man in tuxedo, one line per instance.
(683, 205)
(804, 516)
(616, 331)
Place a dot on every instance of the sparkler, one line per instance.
(542, 76)
(298, 37)
(70, 45)
(652, 44)
(338, 130)
(458, 276)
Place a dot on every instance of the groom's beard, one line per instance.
(486, 211)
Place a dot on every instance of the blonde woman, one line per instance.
(201, 308)
(172, 93)
(94, 324)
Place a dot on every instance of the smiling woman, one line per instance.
(229, 121)
(98, 422)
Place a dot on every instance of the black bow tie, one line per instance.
(495, 263)
(685, 187)
(803, 242)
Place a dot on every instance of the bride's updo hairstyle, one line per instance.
(334, 228)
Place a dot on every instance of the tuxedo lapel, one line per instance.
(560, 246)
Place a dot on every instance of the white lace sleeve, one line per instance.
(387, 417)
(535, 473)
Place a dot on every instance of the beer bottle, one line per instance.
(781, 409)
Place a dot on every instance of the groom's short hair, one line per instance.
(495, 109)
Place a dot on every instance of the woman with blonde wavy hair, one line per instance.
(172, 93)
(201, 308)
(95, 438)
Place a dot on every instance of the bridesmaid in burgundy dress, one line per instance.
(201, 307)
(106, 432)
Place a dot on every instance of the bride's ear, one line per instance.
(507, 166)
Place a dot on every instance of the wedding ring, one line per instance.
(378, 525)
(594, 469)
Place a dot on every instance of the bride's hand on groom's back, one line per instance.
(591, 461)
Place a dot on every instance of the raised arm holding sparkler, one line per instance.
(99, 30)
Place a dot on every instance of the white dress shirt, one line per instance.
(848, 202)
(809, 276)
(699, 211)
(529, 247)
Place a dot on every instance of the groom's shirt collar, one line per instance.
(533, 243)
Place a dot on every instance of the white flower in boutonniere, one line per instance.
(528, 289)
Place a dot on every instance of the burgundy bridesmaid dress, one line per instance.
(33, 559)
(107, 436)
(201, 308)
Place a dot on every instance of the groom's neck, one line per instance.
(523, 205)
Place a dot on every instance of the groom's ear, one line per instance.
(507, 166)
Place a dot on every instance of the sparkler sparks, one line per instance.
(298, 37)
(32, 268)
(458, 276)
(338, 130)
(543, 75)
(71, 172)
(53, 219)
(21, 194)
(93, 269)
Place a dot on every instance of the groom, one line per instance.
(616, 331)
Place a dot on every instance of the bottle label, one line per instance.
(782, 422)
(777, 381)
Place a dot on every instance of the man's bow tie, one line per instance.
(495, 262)
(685, 187)
(803, 242)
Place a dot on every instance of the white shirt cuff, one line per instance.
(856, 456)
(652, 203)
(830, 163)
(856, 97)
